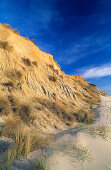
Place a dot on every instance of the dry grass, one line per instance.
(13, 125)
(100, 130)
(9, 84)
(7, 26)
(84, 116)
(14, 74)
(25, 140)
(60, 110)
(51, 66)
(34, 63)
(33, 41)
(90, 100)
(61, 76)
(26, 61)
(20, 148)
(38, 140)
(25, 113)
(52, 78)
(16, 31)
(4, 106)
(22, 109)
(53, 69)
(5, 46)
(41, 164)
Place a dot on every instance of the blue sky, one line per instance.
(76, 32)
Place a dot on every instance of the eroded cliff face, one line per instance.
(33, 86)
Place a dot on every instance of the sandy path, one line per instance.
(104, 110)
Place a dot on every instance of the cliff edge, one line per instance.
(33, 87)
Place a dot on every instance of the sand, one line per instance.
(99, 149)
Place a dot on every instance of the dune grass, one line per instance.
(41, 164)
(25, 139)
(77, 153)
(21, 148)
(100, 130)
(84, 116)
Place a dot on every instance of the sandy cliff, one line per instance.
(33, 86)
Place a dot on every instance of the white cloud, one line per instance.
(97, 72)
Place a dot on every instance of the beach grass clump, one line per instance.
(100, 130)
(40, 164)
(78, 152)
(25, 139)
(25, 113)
(38, 140)
(21, 148)
(84, 116)
(13, 125)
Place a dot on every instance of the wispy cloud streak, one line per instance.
(97, 72)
